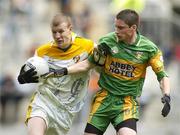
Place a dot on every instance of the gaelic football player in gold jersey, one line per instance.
(58, 99)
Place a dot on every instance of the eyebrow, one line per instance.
(122, 26)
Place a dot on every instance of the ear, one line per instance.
(70, 27)
(134, 27)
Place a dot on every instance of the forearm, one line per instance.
(165, 85)
(80, 67)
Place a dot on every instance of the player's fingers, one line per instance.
(22, 68)
(166, 109)
(33, 73)
(30, 70)
(30, 74)
(35, 78)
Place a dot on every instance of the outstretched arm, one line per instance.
(97, 58)
(80, 67)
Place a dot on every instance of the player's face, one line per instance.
(62, 35)
(123, 31)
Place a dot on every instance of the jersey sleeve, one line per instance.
(157, 64)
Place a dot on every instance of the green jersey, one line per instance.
(125, 66)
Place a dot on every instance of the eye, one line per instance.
(120, 27)
(54, 32)
(61, 31)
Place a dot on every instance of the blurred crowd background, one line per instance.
(25, 24)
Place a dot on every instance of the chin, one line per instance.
(59, 45)
(120, 39)
(63, 46)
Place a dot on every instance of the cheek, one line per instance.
(123, 34)
(66, 35)
(66, 38)
(129, 33)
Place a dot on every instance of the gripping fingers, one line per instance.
(33, 73)
(35, 79)
(30, 71)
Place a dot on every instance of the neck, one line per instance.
(133, 39)
(65, 49)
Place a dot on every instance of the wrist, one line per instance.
(65, 71)
(167, 95)
(166, 98)
(61, 72)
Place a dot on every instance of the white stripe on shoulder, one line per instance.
(138, 41)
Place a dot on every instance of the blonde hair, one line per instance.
(60, 18)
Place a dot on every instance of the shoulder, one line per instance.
(147, 44)
(80, 40)
(43, 49)
(109, 40)
(85, 43)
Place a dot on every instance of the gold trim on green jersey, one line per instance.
(156, 62)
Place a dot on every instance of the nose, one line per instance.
(58, 35)
(117, 31)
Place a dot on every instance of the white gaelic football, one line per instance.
(39, 64)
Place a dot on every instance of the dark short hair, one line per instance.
(129, 16)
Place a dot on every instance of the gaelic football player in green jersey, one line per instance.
(124, 56)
